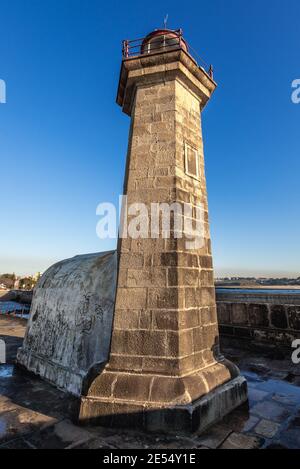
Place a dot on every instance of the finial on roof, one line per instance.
(166, 20)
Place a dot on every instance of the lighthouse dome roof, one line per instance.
(161, 40)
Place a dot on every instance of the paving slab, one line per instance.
(214, 437)
(240, 441)
(271, 411)
(267, 428)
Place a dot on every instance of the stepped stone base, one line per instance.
(177, 413)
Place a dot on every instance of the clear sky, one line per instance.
(63, 139)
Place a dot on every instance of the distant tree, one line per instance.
(29, 282)
(8, 280)
(26, 283)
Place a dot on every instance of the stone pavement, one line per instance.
(33, 414)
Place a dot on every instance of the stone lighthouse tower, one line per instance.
(165, 371)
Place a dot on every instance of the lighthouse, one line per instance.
(165, 371)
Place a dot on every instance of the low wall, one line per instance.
(19, 296)
(255, 318)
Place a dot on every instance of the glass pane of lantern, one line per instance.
(162, 43)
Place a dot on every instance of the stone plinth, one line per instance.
(165, 370)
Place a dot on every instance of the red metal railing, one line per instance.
(172, 41)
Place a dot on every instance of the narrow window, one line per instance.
(192, 167)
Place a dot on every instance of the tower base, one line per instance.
(192, 417)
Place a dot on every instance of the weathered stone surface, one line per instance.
(224, 310)
(258, 315)
(21, 421)
(240, 420)
(214, 437)
(240, 441)
(171, 413)
(267, 428)
(278, 317)
(262, 322)
(293, 313)
(270, 410)
(70, 321)
(239, 314)
(257, 395)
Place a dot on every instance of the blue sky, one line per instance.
(63, 139)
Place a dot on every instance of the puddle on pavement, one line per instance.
(252, 377)
(6, 371)
(3, 427)
(274, 386)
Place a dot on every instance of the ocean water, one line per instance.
(253, 291)
(17, 309)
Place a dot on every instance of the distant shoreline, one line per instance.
(259, 287)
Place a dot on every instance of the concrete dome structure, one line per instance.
(69, 329)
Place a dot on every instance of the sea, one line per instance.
(15, 309)
(22, 311)
(267, 291)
